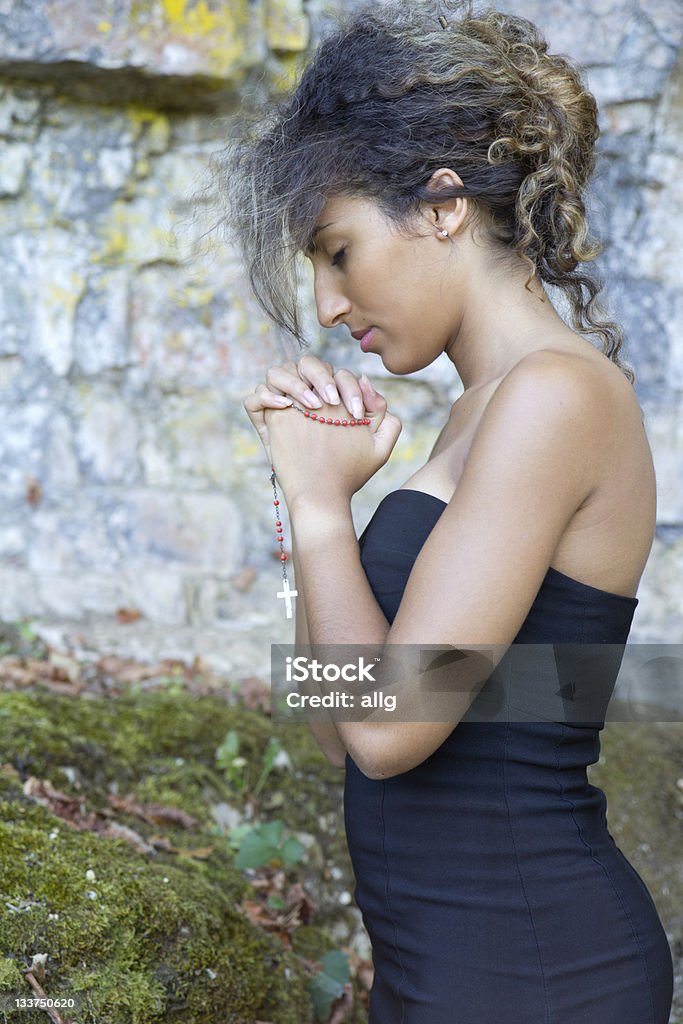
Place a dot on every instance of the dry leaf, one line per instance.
(126, 615)
(154, 814)
(34, 492)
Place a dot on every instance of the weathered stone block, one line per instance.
(158, 594)
(287, 28)
(13, 168)
(659, 616)
(664, 426)
(199, 531)
(101, 337)
(19, 594)
(107, 438)
(205, 42)
(67, 537)
(37, 444)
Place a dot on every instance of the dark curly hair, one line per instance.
(396, 93)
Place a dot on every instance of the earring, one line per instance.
(444, 233)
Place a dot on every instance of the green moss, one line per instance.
(155, 937)
(10, 975)
(311, 943)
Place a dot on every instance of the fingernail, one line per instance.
(282, 400)
(332, 394)
(312, 399)
(357, 408)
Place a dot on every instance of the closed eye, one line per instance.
(338, 257)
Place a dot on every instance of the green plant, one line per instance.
(328, 985)
(265, 845)
(236, 767)
(25, 630)
(270, 754)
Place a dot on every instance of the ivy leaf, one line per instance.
(292, 850)
(261, 845)
(328, 985)
(272, 831)
(336, 965)
(323, 990)
(257, 848)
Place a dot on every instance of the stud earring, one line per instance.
(444, 233)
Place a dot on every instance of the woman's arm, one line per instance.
(325, 733)
(532, 464)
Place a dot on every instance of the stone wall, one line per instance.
(134, 488)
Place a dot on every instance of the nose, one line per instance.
(331, 303)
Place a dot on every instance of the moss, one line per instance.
(158, 937)
(311, 943)
(10, 975)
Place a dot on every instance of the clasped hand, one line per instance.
(313, 462)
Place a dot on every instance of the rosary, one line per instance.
(287, 593)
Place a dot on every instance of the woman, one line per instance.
(433, 172)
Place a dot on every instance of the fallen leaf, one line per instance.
(68, 667)
(115, 831)
(154, 814)
(34, 492)
(126, 615)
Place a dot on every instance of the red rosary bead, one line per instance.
(283, 557)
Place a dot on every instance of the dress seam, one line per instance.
(391, 912)
(521, 878)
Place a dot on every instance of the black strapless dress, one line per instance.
(489, 884)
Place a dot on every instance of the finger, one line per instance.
(375, 403)
(254, 407)
(269, 399)
(279, 380)
(387, 433)
(319, 375)
(308, 359)
(351, 392)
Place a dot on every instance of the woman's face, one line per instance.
(403, 285)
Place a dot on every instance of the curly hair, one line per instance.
(397, 92)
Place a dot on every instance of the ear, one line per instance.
(450, 215)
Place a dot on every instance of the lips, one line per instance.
(359, 335)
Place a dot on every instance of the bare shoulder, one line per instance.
(561, 383)
(611, 401)
(576, 367)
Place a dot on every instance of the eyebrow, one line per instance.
(320, 227)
